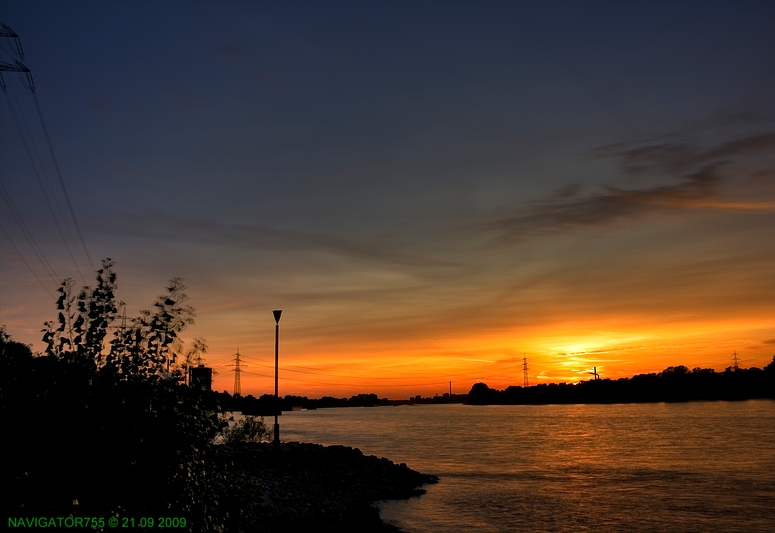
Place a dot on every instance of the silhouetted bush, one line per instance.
(249, 429)
(90, 433)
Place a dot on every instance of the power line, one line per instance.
(426, 384)
(59, 175)
(25, 262)
(51, 188)
(19, 67)
(37, 176)
(26, 232)
(257, 374)
(28, 82)
(220, 361)
(322, 372)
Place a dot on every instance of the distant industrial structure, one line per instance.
(525, 380)
(200, 377)
(237, 370)
(735, 361)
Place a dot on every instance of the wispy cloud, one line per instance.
(255, 236)
(558, 213)
(678, 158)
(698, 176)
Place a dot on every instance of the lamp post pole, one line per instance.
(277, 314)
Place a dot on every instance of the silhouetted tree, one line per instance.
(147, 347)
(481, 394)
(99, 432)
(674, 384)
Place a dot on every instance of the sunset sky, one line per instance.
(430, 191)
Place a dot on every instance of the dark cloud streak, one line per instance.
(677, 158)
(698, 176)
(610, 204)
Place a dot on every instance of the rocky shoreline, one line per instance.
(298, 487)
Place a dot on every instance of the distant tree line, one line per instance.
(264, 405)
(674, 384)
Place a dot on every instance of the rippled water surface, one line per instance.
(645, 467)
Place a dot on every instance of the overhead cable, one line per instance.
(40, 181)
(26, 232)
(25, 261)
(61, 181)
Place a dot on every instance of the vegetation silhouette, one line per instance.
(101, 429)
(249, 429)
(674, 384)
(264, 405)
(98, 429)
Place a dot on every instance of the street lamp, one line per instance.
(276, 313)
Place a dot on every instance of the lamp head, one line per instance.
(277, 313)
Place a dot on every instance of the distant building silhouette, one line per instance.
(200, 377)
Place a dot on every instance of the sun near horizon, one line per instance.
(406, 370)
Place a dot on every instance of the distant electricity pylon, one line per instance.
(525, 380)
(594, 373)
(15, 46)
(237, 370)
(735, 361)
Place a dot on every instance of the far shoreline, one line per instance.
(673, 385)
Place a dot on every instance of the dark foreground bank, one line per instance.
(296, 487)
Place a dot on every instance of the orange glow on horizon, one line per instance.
(555, 353)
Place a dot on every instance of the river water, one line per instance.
(700, 466)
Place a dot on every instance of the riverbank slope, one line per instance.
(298, 487)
